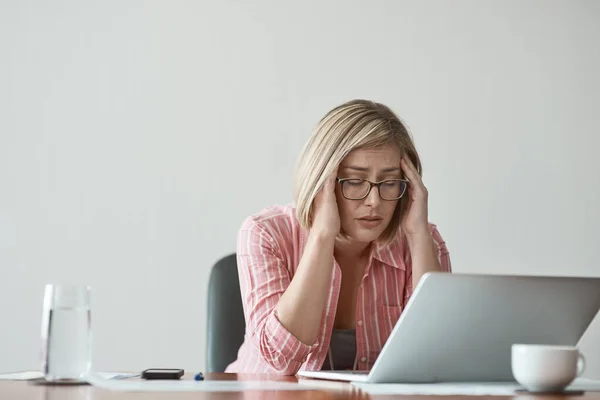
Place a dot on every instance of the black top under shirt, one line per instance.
(343, 350)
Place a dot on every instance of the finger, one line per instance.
(330, 182)
(407, 206)
(411, 173)
(410, 164)
(409, 169)
(411, 192)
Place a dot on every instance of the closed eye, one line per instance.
(354, 182)
(391, 183)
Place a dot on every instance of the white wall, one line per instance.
(135, 136)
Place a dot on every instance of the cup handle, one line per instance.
(580, 364)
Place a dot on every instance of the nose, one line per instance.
(373, 198)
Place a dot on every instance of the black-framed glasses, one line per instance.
(358, 189)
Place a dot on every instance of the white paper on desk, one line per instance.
(32, 375)
(193, 386)
(325, 384)
(462, 389)
(588, 385)
(21, 376)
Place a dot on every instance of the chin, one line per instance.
(364, 235)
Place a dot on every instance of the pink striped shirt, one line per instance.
(269, 249)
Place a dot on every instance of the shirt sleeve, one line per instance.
(442, 250)
(264, 278)
(443, 257)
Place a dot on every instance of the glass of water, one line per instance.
(66, 333)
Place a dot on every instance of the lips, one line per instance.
(369, 222)
(370, 218)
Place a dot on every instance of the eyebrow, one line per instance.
(363, 169)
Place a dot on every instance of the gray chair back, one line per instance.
(225, 323)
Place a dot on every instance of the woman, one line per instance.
(324, 282)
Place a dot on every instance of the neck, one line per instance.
(350, 249)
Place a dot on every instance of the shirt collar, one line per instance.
(391, 254)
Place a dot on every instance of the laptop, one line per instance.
(460, 327)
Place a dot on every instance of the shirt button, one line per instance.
(363, 359)
(359, 323)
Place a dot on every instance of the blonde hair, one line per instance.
(349, 126)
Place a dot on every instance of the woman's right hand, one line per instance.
(326, 215)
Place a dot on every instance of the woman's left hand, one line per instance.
(415, 221)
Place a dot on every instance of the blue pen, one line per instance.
(199, 377)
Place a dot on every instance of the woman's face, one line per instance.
(365, 220)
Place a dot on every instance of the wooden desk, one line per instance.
(20, 390)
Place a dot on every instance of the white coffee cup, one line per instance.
(546, 368)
